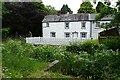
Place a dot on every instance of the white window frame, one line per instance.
(66, 35)
(67, 25)
(83, 25)
(51, 34)
(83, 36)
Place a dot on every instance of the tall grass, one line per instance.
(92, 60)
(15, 59)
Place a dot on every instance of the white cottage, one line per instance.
(62, 29)
(75, 26)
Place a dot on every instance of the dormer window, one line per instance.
(83, 25)
(67, 25)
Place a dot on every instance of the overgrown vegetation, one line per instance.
(93, 62)
(112, 43)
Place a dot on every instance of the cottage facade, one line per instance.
(76, 26)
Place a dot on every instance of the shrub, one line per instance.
(17, 59)
(87, 46)
(113, 43)
(5, 32)
(102, 65)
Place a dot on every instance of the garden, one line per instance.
(89, 60)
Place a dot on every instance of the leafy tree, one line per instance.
(23, 19)
(99, 6)
(65, 9)
(86, 7)
(51, 10)
(104, 10)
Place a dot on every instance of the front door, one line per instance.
(75, 35)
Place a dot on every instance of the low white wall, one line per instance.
(51, 41)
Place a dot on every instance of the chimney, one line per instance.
(58, 13)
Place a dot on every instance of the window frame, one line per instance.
(97, 25)
(83, 27)
(85, 35)
(67, 33)
(67, 25)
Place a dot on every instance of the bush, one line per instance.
(113, 43)
(15, 57)
(87, 46)
(22, 59)
(102, 65)
(5, 32)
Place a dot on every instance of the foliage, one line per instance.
(105, 10)
(4, 9)
(25, 60)
(42, 74)
(88, 46)
(31, 17)
(100, 65)
(5, 32)
(65, 9)
(113, 43)
(15, 63)
(51, 10)
(86, 7)
(99, 7)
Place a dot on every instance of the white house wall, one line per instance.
(59, 28)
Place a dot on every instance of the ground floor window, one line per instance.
(67, 34)
(83, 34)
(52, 34)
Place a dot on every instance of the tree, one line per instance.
(23, 19)
(51, 10)
(65, 9)
(99, 7)
(86, 7)
(104, 9)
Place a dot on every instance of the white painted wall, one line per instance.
(59, 28)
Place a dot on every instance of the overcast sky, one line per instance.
(72, 4)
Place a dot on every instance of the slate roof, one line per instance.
(71, 17)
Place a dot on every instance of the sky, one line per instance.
(74, 5)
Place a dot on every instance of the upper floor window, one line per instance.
(83, 25)
(83, 34)
(52, 34)
(97, 24)
(67, 34)
(67, 25)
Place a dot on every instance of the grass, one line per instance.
(42, 74)
(21, 60)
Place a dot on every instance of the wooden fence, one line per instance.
(51, 41)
